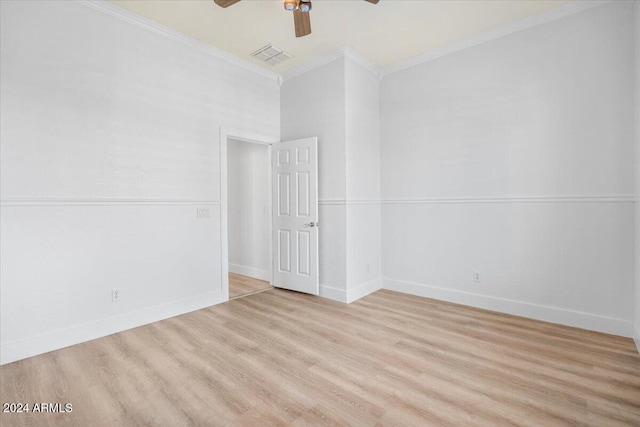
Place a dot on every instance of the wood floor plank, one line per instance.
(240, 285)
(284, 358)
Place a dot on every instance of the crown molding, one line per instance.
(355, 56)
(312, 64)
(346, 52)
(505, 30)
(176, 36)
(572, 8)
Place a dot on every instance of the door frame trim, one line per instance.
(227, 133)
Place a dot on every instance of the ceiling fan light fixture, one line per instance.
(305, 6)
(301, 21)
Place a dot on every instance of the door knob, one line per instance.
(311, 224)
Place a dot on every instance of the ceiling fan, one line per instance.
(300, 9)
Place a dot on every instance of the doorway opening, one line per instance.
(287, 221)
(249, 217)
(246, 218)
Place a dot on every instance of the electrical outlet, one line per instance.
(115, 295)
(367, 268)
(476, 276)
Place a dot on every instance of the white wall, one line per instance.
(362, 113)
(248, 184)
(637, 123)
(109, 144)
(513, 158)
(313, 104)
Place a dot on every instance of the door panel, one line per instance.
(304, 261)
(295, 216)
(284, 251)
(303, 194)
(283, 194)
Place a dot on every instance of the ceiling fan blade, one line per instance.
(302, 23)
(226, 3)
(373, 1)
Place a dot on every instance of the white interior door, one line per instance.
(295, 215)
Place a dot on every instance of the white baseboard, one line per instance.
(32, 346)
(256, 273)
(562, 316)
(636, 336)
(363, 290)
(335, 294)
(350, 295)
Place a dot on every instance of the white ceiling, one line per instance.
(387, 33)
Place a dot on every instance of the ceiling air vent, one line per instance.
(271, 55)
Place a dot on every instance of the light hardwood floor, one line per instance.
(284, 358)
(240, 285)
